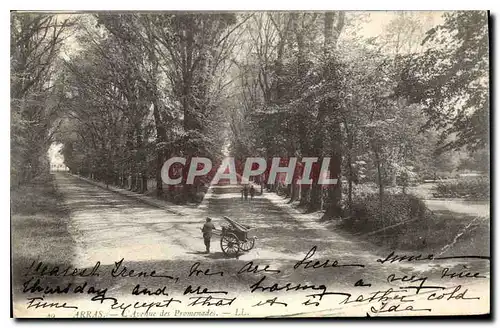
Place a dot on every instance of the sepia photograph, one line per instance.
(250, 164)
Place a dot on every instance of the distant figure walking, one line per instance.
(245, 192)
(207, 233)
(252, 192)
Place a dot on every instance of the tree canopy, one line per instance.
(123, 92)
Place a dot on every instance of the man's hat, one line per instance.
(209, 219)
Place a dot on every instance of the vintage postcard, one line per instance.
(274, 164)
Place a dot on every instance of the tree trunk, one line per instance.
(160, 137)
(304, 195)
(293, 195)
(349, 193)
(331, 106)
(159, 165)
(333, 206)
(315, 195)
(379, 176)
(144, 182)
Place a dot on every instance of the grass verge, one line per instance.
(404, 223)
(39, 226)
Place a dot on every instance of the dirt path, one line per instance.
(456, 205)
(460, 206)
(108, 227)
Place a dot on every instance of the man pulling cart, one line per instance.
(234, 237)
(207, 229)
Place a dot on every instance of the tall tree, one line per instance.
(451, 79)
(36, 41)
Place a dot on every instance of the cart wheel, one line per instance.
(229, 244)
(247, 244)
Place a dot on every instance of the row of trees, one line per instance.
(35, 45)
(139, 88)
(144, 88)
(311, 87)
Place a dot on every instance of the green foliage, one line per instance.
(395, 228)
(476, 161)
(142, 87)
(370, 213)
(304, 96)
(35, 87)
(451, 79)
(470, 188)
